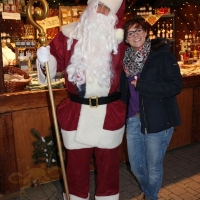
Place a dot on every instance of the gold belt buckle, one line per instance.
(90, 101)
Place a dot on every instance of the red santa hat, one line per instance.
(114, 5)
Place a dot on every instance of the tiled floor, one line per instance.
(181, 180)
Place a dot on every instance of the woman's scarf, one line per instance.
(134, 61)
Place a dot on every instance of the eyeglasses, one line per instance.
(132, 33)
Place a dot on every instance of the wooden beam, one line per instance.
(1, 72)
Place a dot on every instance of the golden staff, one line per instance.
(42, 14)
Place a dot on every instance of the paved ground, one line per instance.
(181, 180)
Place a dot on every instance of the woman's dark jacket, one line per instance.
(159, 83)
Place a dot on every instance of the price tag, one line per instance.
(6, 15)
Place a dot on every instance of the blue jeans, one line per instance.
(146, 153)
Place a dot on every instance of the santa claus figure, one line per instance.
(92, 119)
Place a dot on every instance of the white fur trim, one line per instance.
(114, 5)
(113, 197)
(41, 77)
(52, 70)
(73, 197)
(66, 29)
(119, 35)
(91, 120)
(90, 132)
(107, 140)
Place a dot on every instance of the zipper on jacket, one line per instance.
(145, 129)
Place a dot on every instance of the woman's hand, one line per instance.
(134, 82)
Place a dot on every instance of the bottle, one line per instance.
(19, 8)
(170, 31)
(22, 43)
(32, 43)
(1, 7)
(28, 43)
(166, 31)
(158, 31)
(195, 54)
(13, 8)
(185, 55)
(163, 30)
(6, 7)
(17, 43)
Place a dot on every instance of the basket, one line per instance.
(15, 86)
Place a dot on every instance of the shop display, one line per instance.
(148, 10)
(29, 106)
(160, 25)
(69, 14)
(190, 50)
(13, 6)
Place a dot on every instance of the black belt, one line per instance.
(94, 101)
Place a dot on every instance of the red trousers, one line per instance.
(78, 171)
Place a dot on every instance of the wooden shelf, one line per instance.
(163, 16)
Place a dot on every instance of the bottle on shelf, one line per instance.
(151, 36)
(170, 31)
(6, 7)
(19, 8)
(22, 43)
(167, 31)
(28, 43)
(158, 31)
(13, 8)
(163, 30)
(33, 43)
(195, 54)
(185, 55)
(17, 43)
(1, 7)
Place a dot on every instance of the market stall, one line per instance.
(26, 124)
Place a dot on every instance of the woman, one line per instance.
(154, 80)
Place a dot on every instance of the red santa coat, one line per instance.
(68, 112)
(81, 125)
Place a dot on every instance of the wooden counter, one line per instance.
(19, 113)
(189, 105)
(22, 111)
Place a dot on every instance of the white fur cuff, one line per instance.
(112, 197)
(73, 197)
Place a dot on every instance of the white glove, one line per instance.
(43, 54)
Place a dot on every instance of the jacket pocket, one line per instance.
(115, 115)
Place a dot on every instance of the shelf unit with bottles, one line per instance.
(165, 23)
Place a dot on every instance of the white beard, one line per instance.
(93, 50)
